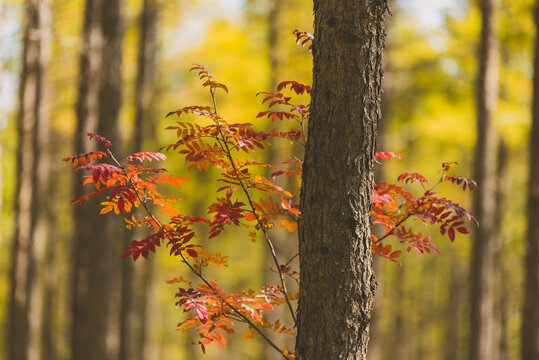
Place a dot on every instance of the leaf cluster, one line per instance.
(250, 200)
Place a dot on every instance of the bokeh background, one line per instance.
(422, 307)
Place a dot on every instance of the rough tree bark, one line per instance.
(95, 248)
(337, 280)
(30, 118)
(482, 262)
(530, 323)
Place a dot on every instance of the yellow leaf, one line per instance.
(289, 225)
(249, 334)
(252, 236)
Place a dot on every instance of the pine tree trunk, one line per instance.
(96, 249)
(337, 280)
(482, 266)
(30, 121)
(530, 323)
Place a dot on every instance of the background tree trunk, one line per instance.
(147, 47)
(530, 323)
(274, 25)
(482, 262)
(380, 174)
(95, 246)
(337, 280)
(31, 118)
(502, 289)
(49, 330)
(276, 154)
(45, 188)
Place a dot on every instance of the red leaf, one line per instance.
(387, 155)
(463, 230)
(202, 314)
(451, 234)
(192, 253)
(97, 138)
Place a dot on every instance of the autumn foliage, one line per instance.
(248, 199)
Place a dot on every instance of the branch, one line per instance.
(198, 274)
(399, 223)
(224, 145)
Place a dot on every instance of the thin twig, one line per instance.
(289, 261)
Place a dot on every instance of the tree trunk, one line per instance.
(277, 153)
(30, 120)
(502, 289)
(274, 20)
(145, 70)
(396, 339)
(482, 266)
(376, 329)
(145, 78)
(95, 246)
(49, 310)
(453, 310)
(44, 202)
(530, 323)
(337, 280)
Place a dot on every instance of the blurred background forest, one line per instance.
(422, 308)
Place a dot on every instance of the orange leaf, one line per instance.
(250, 216)
(106, 209)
